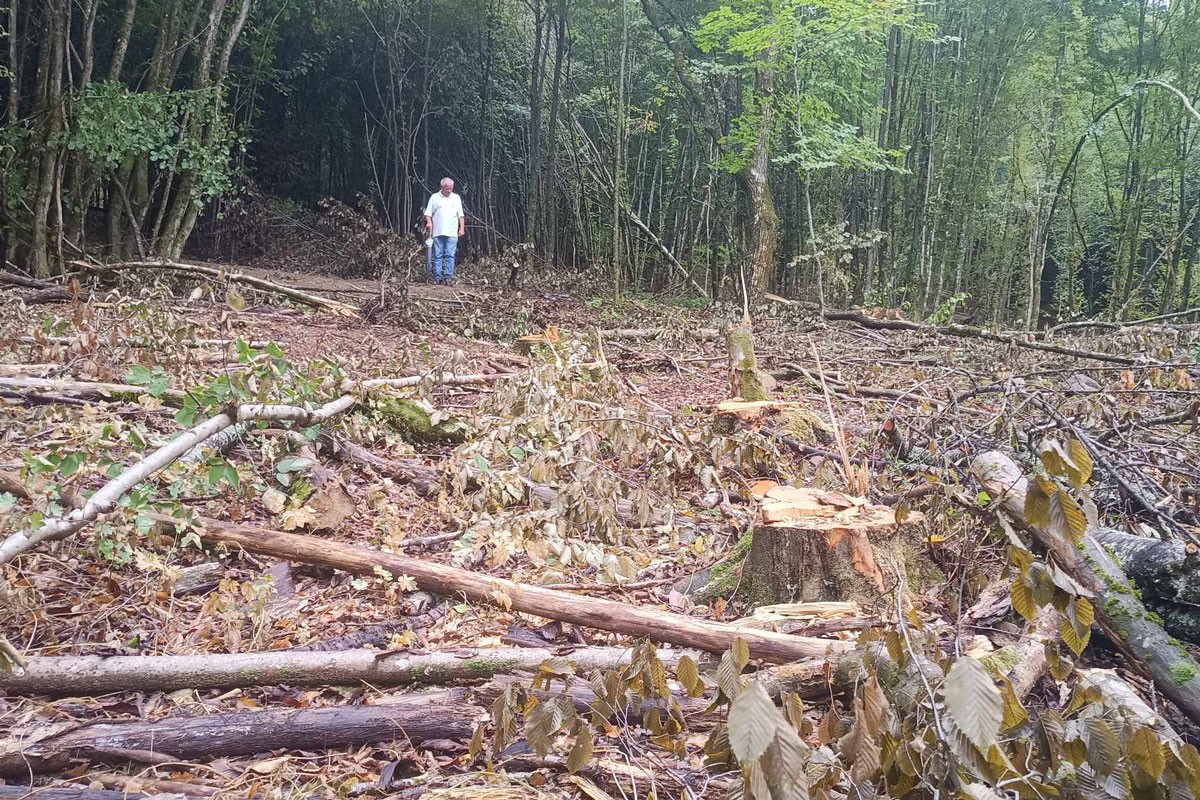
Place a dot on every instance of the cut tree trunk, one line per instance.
(814, 545)
(594, 612)
(410, 719)
(97, 675)
(1119, 610)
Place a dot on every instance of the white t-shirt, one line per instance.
(445, 211)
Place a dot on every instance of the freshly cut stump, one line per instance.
(815, 545)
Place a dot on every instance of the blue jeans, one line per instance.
(444, 248)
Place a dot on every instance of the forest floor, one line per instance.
(912, 407)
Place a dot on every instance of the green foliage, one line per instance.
(111, 124)
(944, 313)
(805, 48)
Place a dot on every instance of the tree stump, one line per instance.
(813, 545)
(746, 380)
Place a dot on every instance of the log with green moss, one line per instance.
(416, 421)
(1120, 612)
(1167, 575)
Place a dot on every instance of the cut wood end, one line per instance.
(753, 409)
(817, 509)
(794, 611)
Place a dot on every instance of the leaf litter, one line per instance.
(596, 468)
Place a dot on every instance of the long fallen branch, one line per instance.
(1119, 609)
(96, 675)
(410, 719)
(971, 332)
(308, 299)
(105, 499)
(592, 612)
(703, 334)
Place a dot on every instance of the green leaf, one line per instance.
(753, 719)
(1146, 752)
(688, 674)
(581, 752)
(974, 702)
(1066, 517)
(293, 464)
(70, 463)
(138, 375)
(1037, 502)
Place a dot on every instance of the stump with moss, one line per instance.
(746, 380)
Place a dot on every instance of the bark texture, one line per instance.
(797, 564)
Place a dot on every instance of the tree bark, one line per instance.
(411, 719)
(97, 675)
(1119, 610)
(797, 564)
(661, 626)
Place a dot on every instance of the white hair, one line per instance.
(444, 181)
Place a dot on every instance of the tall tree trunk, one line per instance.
(14, 67)
(1041, 228)
(548, 193)
(534, 168)
(50, 98)
(755, 177)
(619, 149)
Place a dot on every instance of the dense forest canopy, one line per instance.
(1021, 162)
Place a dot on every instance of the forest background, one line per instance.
(1017, 163)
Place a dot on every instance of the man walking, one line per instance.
(445, 222)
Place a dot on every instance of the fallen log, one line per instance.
(82, 793)
(703, 334)
(306, 298)
(1167, 575)
(971, 332)
(1119, 611)
(411, 719)
(593, 612)
(97, 675)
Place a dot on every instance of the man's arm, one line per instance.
(462, 221)
(429, 214)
